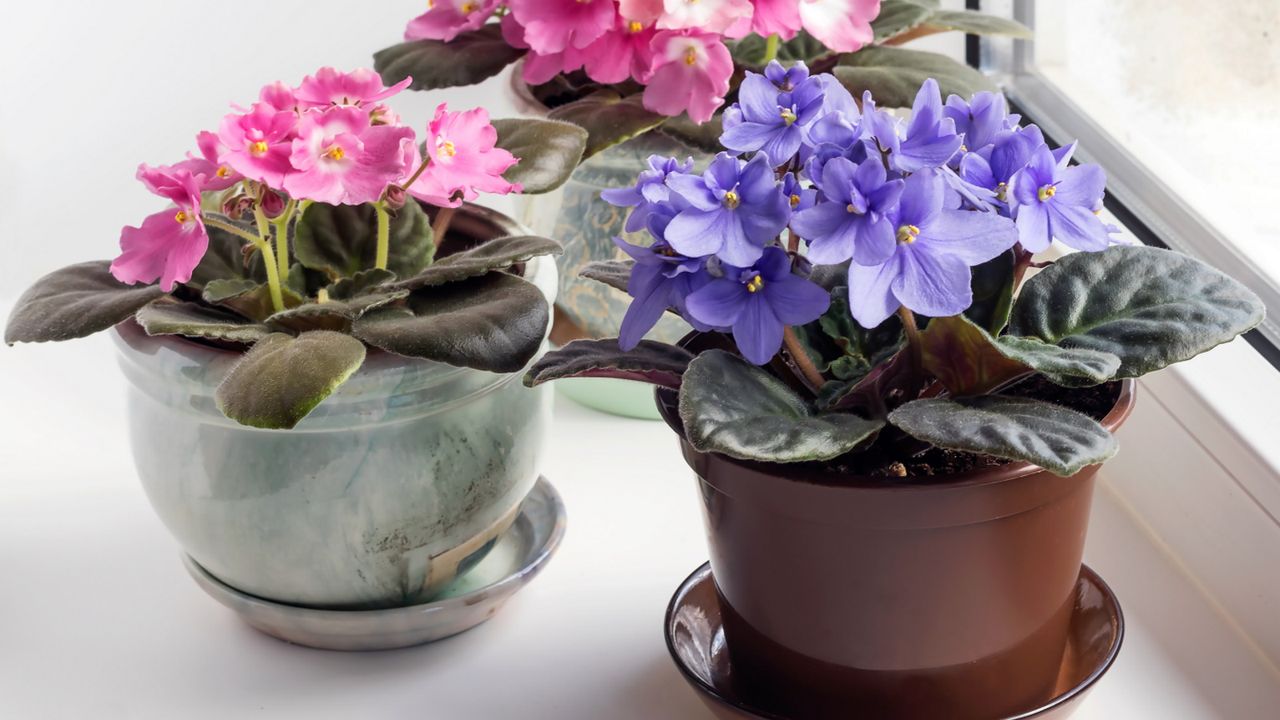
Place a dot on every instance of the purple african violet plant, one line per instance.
(870, 272)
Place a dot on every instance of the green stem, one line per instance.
(771, 49)
(233, 229)
(384, 237)
(282, 237)
(264, 247)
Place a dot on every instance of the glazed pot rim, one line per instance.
(803, 472)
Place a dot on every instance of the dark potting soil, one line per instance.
(893, 459)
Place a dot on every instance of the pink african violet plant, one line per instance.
(619, 68)
(306, 229)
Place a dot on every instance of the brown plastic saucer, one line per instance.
(695, 639)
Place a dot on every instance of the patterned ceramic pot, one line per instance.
(395, 484)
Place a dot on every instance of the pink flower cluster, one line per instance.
(676, 48)
(330, 140)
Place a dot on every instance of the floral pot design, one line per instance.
(949, 598)
(394, 485)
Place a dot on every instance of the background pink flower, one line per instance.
(447, 18)
(842, 25)
(550, 26)
(690, 74)
(464, 161)
(341, 159)
(624, 52)
(360, 87)
(169, 244)
(713, 16)
(773, 17)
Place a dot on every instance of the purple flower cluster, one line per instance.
(911, 205)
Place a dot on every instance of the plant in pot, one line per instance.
(895, 425)
(321, 336)
(650, 78)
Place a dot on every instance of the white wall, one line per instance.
(91, 88)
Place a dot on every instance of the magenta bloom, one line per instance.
(341, 159)
(776, 17)
(690, 74)
(360, 88)
(446, 19)
(842, 25)
(169, 244)
(539, 68)
(550, 26)
(210, 172)
(258, 144)
(714, 16)
(280, 97)
(464, 161)
(624, 52)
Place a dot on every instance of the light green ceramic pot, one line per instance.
(394, 485)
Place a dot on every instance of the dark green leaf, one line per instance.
(360, 283)
(698, 137)
(549, 152)
(976, 23)
(1149, 307)
(899, 16)
(494, 322)
(608, 119)
(732, 407)
(992, 293)
(74, 302)
(283, 378)
(215, 291)
(804, 47)
(167, 316)
(894, 75)
(342, 240)
(248, 298)
(1071, 367)
(1057, 439)
(651, 362)
(336, 315)
(614, 273)
(224, 260)
(466, 60)
(496, 254)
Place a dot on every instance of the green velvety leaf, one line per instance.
(969, 361)
(248, 298)
(899, 16)
(74, 302)
(549, 152)
(608, 118)
(362, 282)
(336, 315)
(468, 59)
(167, 316)
(496, 254)
(1149, 307)
(651, 362)
(750, 50)
(1057, 439)
(342, 240)
(614, 273)
(894, 75)
(225, 259)
(282, 378)
(698, 137)
(494, 322)
(976, 23)
(732, 407)
(992, 293)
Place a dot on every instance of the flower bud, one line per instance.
(394, 197)
(236, 205)
(272, 204)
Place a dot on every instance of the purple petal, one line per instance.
(783, 144)
(621, 197)
(651, 300)
(1081, 185)
(796, 301)
(1077, 227)
(875, 241)
(749, 136)
(723, 172)
(694, 189)
(696, 233)
(719, 303)
(758, 98)
(921, 199)
(871, 299)
(1033, 227)
(758, 332)
(933, 284)
(971, 235)
(828, 227)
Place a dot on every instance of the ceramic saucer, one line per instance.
(695, 639)
(518, 555)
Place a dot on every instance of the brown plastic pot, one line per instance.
(870, 597)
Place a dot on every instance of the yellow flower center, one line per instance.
(691, 56)
(794, 200)
(850, 208)
(731, 200)
(1001, 190)
(468, 8)
(1047, 192)
(336, 153)
(788, 116)
(223, 171)
(182, 217)
(635, 26)
(448, 149)
(258, 148)
(755, 284)
(907, 234)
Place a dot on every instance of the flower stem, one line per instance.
(913, 336)
(264, 247)
(228, 227)
(282, 237)
(802, 360)
(416, 174)
(384, 237)
(441, 225)
(770, 49)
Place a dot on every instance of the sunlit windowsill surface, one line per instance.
(100, 620)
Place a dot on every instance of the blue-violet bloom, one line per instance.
(650, 189)
(773, 119)
(978, 119)
(734, 210)
(852, 219)
(758, 303)
(660, 279)
(1057, 202)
